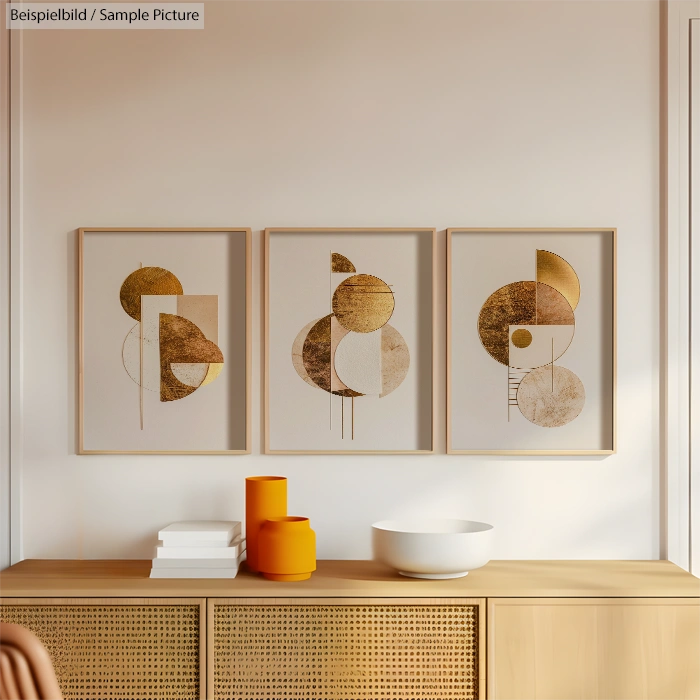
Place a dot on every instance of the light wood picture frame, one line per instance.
(313, 279)
(508, 288)
(175, 378)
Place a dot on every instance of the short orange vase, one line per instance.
(287, 549)
(265, 497)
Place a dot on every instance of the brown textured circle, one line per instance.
(317, 357)
(520, 304)
(298, 353)
(182, 341)
(551, 396)
(146, 280)
(521, 338)
(363, 303)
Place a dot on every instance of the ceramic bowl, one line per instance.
(432, 548)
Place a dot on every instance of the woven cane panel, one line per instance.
(112, 651)
(348, 652)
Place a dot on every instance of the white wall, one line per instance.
(345, 114)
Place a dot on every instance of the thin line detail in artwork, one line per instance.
(330, 304)
(141, 361)
(552, 364)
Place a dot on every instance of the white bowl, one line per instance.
(435, 548)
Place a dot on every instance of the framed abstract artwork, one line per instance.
(349, 341)
(164, 340)
(531, 323)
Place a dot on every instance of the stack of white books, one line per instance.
(199, 549)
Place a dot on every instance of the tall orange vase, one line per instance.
(265, 497)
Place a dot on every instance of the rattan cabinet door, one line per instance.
(345, 649)
(119, 649)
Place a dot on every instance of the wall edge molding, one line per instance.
(16, 293)
(676, 276)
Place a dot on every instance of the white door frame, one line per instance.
(11, 328)
(677, 431)
(695, 295)
(5, 374)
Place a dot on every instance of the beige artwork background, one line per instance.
(481, 262)
(213, 418)
(300, 285)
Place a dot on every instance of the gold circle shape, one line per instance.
(520, 304)
(146, 281)
(363, 303)
(521, 338)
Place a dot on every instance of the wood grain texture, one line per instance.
(594, 649)
(508, 579)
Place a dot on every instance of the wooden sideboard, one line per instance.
(358, 631)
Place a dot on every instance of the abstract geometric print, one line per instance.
(353, 351)
(528, 326)
(173, 348)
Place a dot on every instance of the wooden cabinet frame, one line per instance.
(667, 597)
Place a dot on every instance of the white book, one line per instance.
(191, 533)
(202, 543)
(194, 573)
(194, 552)
(198, 563)
(202, 572)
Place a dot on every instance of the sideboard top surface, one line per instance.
(56, 578)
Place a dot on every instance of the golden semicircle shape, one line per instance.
(339, 263)
(556, 272)
(181, 341)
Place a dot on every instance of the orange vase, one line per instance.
(265, 497)
(287, 549)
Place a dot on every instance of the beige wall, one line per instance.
(5, 296)
(344, 114)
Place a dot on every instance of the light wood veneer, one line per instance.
(607, 630)
(598, 648)
(502, 579)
